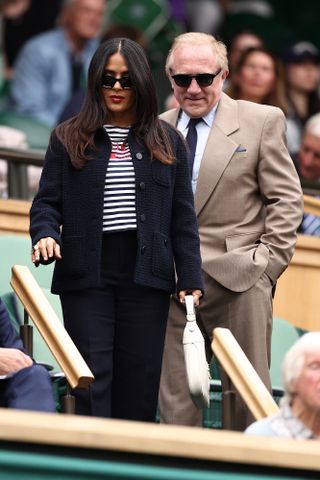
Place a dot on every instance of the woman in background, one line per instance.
(258, 78)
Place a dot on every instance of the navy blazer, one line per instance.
(69, 207)
(9, 338)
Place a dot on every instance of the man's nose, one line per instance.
(194, 87)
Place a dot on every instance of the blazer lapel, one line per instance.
(218, 152)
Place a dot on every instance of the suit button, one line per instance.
(139, 156)
(142, 186)
(165, 241)
(143, 249)
(142, 218)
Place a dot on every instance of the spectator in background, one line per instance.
(308, 166)
(23, 19)
(258, 78)
(53, 65)
(299, 415)
(240, 43)
(24, 384)
(205, 16)
(74, 105)
(171, 102)
(302, 76)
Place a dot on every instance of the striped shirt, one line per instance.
(119, 210)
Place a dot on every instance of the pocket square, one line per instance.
(241, 148)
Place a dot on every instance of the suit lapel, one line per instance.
(218, 152)
(219, 149)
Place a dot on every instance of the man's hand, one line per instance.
(12, 360)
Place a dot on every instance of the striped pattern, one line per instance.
(119, 211)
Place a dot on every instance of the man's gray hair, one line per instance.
(294, 360)
(197, 39)
(313, 125)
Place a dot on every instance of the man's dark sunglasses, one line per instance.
(202, 79)
(108, 81)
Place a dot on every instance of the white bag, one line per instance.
(198, 372)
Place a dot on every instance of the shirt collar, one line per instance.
(208, 119)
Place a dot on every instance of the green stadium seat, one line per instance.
(16, 250)
(37, 133)
(284, 335)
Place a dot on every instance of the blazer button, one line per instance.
(139, 156)
(143, 249)
(142, 186)
(165, 241)
(142, 218)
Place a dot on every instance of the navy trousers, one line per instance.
(28, 389)
(119, 329)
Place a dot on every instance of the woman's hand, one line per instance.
(46, 248)
(195, 293)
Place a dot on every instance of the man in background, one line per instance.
(308, 166)
(52, 66)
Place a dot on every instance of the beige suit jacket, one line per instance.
(248, 199)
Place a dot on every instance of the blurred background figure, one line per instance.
(21, 20)
(170, 102)
(299, 415)
(302, 76)
(258, 77)
(308, 167)
(239, 43)
(23, 384)
(205, 16)
(52, 66)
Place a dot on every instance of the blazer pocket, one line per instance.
(161, 173)
(72, 251)
(162, 256)
(242, 240)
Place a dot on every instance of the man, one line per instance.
(308, 166)
(249, 205)
(53, 65)
(299, 414)
(24, 384)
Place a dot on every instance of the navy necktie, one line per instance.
(191, 139)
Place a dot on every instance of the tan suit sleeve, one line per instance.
(281, 191)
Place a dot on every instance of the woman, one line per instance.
(258, 78)
(116, 181)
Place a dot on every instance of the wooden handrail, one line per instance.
(14, 216)
(242, 374)
(311, 205)
(50, 327)
(160, 441)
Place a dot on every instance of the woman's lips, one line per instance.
(116, 98)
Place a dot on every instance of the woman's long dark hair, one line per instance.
(77, 134)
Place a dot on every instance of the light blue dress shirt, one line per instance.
(42, 82)
(203, 130)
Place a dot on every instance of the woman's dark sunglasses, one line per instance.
(202, 79)
(108, 81)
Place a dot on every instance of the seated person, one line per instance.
(24, 384)
(308, 167)
(299, 414)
